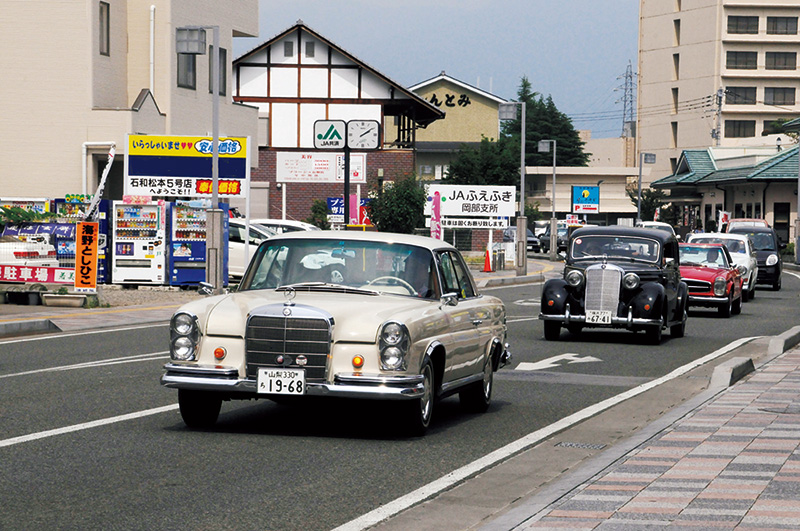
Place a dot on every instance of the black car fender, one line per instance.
(649, 302)
(554, 296)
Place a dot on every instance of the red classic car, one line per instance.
(712, 277)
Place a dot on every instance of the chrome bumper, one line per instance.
(616, 322)
(227, 380)
(711, 301)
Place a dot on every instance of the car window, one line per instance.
(762, 241)
(379, 266)
(631, 247)
(235, 234)
(455, 277)
(733, 245)
(704, 256)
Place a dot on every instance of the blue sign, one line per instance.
(585, 199)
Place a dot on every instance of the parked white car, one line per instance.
(743, 253)
(236, 247)
(660, 225)
(284, 225)
(14, 251)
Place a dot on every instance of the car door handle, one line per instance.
(477, 322)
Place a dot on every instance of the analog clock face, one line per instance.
(363, 134)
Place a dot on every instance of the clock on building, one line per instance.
(363, 134)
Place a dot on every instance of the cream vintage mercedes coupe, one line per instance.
(341, 314)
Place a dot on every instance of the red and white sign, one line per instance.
(436, 216)
(49, 275)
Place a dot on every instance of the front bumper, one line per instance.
(227, 380)
(707, 300)
(629, 321)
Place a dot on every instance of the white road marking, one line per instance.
(99, 363)
(453, 478)
(790, 273)
(555, 361)
(80, 333)
(528, 302)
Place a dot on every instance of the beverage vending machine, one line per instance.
(187, 249)
(139, 242)
(72, 210)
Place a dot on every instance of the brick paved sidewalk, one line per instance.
(733, 463)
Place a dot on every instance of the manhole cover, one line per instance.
(582, 445)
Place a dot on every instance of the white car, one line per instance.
(236, 248)
(660, 225)
(743, 253)
(284, 225)
(34, 252)
(366, 315)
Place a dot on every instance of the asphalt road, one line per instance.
(90, 440)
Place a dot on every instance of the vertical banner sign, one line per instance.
(86, 256)
(436, 216)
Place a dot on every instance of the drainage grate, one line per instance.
(581, 445)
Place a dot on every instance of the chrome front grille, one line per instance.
(697, 286)
(602, 288)
(279, 341)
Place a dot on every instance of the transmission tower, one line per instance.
(628, 101)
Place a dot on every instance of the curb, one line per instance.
(28, 326)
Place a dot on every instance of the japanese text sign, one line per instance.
(86, 256)
(585, 199)
(181, 166)
(473, 201)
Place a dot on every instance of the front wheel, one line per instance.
(477, 396)
(679, 330)
(419, 412)
(552, 329)
(727, 309)
(776, 286)
(199, 409)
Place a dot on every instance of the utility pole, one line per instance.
(717, 133)
(628, 104)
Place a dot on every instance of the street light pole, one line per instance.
(544, 147)
(508, 111)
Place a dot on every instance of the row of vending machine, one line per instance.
(155, 242)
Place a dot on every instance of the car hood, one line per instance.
(356, 317)
(702, 273)
(626, 265)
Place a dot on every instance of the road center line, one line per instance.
(89, 364)
(445, 482)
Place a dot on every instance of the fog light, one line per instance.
(220, 353)
(358, 361)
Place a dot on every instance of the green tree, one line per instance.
(491, 163)
(543, 121)
(319, 214)
(399, 208)
(651, 200)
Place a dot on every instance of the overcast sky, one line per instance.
(577, 51)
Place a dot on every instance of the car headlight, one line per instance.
(575, 278)
(719, 286)
(630, 281)
(772, 259)
(184, 336)
(393, 343)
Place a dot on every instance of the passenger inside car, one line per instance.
(712, 257)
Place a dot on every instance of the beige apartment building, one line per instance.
(94, 72)
(714, 73)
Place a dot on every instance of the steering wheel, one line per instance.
(399, 281)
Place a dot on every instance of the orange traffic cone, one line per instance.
(487, 264)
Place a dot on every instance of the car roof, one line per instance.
(752, 229)
(285, 223)
(721, 235)
(344, 235)
(621, 230)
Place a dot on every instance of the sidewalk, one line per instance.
(731, 462)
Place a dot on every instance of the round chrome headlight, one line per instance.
(392, 333)
(630, 281)
(772, 259)
(182, 348)
(719, 286)
(575, 278)
(183, 324)
(392, 358)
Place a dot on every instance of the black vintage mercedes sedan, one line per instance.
(618, 277)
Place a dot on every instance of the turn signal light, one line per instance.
(647, 307)
(358, 361)
(220, 353)
(551, 302)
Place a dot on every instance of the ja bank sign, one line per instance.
(458, 201)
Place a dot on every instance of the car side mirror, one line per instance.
(669, 261)
(449, 299)
(206, 288)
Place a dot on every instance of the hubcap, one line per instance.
(425, 401)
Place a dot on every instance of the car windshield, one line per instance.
(369, 265)
(733, 245)
(629, 247)
(762, 241)
(700, 255)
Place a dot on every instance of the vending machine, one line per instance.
(139, 242)
(71, 210)
(187, 249)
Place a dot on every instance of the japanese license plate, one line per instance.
(281, 381)
(598, 317)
